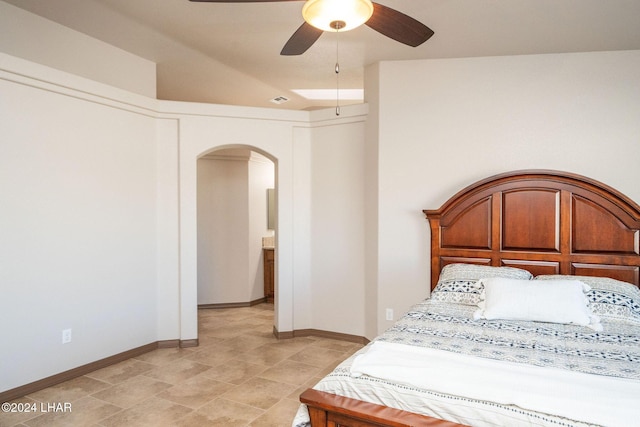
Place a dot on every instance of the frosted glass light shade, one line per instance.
(322, 13)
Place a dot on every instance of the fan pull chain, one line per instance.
(337, 70)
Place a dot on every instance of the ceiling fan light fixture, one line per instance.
(348, 14)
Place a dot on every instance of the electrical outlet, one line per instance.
(66, 336)
(389, 313)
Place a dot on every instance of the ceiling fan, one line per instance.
(343, 15)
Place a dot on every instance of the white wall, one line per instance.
(203, 133)
(232, 220)
(99, 222)
(168, 290)
(223, 235)
(337, 228)
(261, 177)
(286, 137)
(372, 85)
(78, 225)
(448, 123)
(37, 39)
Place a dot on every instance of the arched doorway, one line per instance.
(192, 147)
(233, 226)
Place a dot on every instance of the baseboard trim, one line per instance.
(178, 343)
(282, 335)
(189, 343)
(319, 333)
(23, 390)
(234, 304)
(168, 344)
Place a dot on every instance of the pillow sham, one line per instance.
(608, 298)
(553, 301)
(458, 283)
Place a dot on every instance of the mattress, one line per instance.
(438, 361)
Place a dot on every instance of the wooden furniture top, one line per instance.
(547, 222)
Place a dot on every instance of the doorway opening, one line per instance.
(236, 223)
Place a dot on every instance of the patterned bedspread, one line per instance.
(613, 352)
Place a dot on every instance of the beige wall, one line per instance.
(444, 124)
(337, 228)
(306, 190)
(232, 220)
(79, 247)
(36, 39)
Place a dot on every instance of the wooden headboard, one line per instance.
(547, 222)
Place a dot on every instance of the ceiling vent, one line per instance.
(279, 99)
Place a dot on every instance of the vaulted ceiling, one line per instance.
(229, 53)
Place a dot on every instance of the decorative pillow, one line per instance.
(458, 283)
(608, 298)
(554, 301)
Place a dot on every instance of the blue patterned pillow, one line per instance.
(458, 283)
(608, 298)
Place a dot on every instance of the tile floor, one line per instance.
(239, 375)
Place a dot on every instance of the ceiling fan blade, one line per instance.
(398, 26)
(301, 40)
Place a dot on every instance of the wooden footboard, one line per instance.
(330, 410)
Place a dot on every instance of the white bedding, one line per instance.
(574, 376)
(601, 400)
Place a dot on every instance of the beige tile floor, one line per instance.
(239, 375)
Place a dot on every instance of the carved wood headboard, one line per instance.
(547, 222)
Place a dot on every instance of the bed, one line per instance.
(533, 317)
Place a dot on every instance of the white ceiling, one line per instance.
(229, 53)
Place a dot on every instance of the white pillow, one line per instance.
(458, 283)
(608, 298)
(555, 301)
